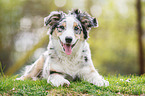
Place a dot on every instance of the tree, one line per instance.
(140, 34)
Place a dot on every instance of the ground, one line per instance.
(119, 85)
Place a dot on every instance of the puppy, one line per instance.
(68, 55)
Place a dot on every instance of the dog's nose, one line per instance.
(68, 39)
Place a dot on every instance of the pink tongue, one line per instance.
(67, 49)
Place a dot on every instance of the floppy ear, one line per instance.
(53, 19)
(86, 20)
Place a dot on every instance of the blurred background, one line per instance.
(117, 45)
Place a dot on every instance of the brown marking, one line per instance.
(77, 35)
(82, 35)
(64, 24)
(92, 69)
(75, 24)
(56, 33)
(52, 70)
(37, 68)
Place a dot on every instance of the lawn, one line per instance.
(119, 85)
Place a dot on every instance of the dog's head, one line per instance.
(70, 28)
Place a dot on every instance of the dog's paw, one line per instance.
(58, 80)
(101, 82)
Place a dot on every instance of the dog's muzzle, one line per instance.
(67, 47)
(68, 39)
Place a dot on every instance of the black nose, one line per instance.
(68, 39)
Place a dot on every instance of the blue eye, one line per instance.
(60, 28)
(76, 28)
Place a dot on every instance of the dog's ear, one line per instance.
(53, 19)
(86, 20)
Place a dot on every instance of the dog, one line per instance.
(68, 54)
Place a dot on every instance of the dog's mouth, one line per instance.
(67, 47)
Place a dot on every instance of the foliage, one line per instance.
(119, 85)
(113, 44)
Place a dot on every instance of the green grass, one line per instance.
(118, 86)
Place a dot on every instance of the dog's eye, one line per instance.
(77, 30)
(60, 28)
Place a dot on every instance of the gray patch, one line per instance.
(52, 57)
(84, 51)
(51, 48)
(85, 58)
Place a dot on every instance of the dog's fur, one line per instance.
(68, 53)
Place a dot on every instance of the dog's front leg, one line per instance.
(32, 71)
(57, 80)
(46, 68)
(88, 73)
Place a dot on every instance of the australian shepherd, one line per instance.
(68, 54)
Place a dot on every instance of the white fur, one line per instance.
(72, 65)
(69, 29)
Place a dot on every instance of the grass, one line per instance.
(119, 85)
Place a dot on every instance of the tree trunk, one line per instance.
(140, 34)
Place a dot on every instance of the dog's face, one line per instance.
(69, 28)
(69, 31)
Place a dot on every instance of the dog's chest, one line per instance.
(67, 65)
(70, 64)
